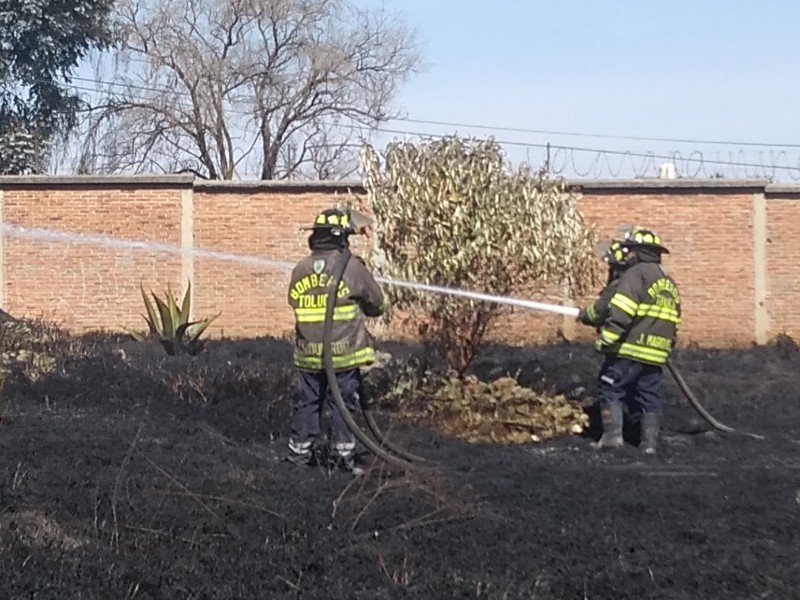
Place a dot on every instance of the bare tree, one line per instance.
(276, 87)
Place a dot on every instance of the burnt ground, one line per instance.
(127, 474)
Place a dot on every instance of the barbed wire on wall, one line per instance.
(772, 164)
(592, 163)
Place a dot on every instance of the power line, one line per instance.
(697, 158)
(496, 127)
(593, 135)
(648, 155)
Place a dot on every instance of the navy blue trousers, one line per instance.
(638, 385)
(309, 396)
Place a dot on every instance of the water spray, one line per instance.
(42, 234)
(70, 238)
(568, 311)
(83, 239)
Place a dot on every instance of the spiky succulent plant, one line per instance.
(168, 322)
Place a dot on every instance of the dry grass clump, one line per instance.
(502, 411)
(498, 411)
(29, 348)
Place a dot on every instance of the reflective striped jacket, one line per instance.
(643, 317)
(359, 296)
(597, 312)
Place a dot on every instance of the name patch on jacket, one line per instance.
(315, 282)
(315, 348)
(665, 293)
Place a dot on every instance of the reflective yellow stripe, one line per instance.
(662, 313)
(317, 315)
(333, 219)
(591, 313)
(359, 357)
(624, 303)
(609, 336)
(652, 355)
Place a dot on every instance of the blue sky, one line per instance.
(702, 70)
(604, 70)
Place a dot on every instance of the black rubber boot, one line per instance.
(301, 454)
(301, 460)
(611, 415)
(650, 425)
(348, 463)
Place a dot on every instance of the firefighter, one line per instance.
(638, 320)
(615, 255)
(359, 296)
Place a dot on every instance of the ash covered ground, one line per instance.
(126, 474)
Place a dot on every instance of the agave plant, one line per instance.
(168, 322)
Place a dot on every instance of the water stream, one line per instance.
(82, 239)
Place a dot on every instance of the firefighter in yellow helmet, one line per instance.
(359, 297)
(615, 255)
(637, 316)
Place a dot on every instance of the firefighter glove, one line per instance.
(378, 259)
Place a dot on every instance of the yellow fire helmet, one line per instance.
(612, 252)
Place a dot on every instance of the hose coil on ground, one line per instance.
(383, 450)
(707, 416)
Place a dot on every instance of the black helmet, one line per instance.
(639, 237)
(333, 220)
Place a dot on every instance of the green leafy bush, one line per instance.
(451, 212)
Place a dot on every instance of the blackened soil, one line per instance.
(126, 474)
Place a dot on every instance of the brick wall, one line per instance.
(85, 286)
(734, 251)
(259, 222)
(710, 235)
(783, 260)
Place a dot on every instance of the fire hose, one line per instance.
(398, 456)
(676, 375)
(570, 312)
(383, 449)
(687, 392)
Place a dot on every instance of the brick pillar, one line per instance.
(761, 316)
(187, 241)
(2, 252)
